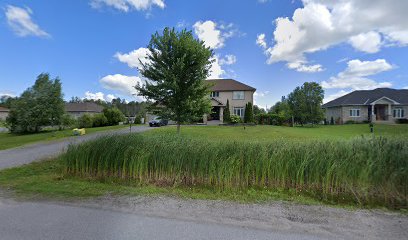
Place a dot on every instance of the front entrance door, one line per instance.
(379, 111)
(215, 113)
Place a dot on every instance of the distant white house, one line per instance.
(4, 112)
(78, 109)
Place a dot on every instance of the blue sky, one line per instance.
(274, 46)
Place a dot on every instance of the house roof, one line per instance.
(366, 97)
(83, 107)
(222, 85)
(3, 109)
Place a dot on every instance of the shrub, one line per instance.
(67, 121)
(331, 121)
(235, 119)
(249, 114)
(113, 115)
(361, 171)
(226, 113)
(350, 122)
(85, 121)
(402, 121)
(99, 120)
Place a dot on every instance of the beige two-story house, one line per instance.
(237, 93)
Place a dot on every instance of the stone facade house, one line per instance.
(4, 112)
(238, 94)
(78, 109)
(379, 105)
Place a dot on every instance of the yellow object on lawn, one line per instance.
(78, 131)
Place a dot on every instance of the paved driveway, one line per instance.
(38, 151)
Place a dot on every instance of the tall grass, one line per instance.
(361, 170)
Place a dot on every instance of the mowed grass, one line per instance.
(266, 132)
(10, 140)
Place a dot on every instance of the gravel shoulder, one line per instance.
(276, 217)
(43, 150)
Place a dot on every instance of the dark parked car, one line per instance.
(157, 122)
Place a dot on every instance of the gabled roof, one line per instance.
(222, 85)
(3, 109)
(83, 107)
(366, 97)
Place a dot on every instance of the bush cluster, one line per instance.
(109, 117)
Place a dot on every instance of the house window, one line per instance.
(215, 94)
(239, 111)
(238, 95)
(398, 113)
(354, 112)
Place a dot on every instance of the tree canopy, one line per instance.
(305, 103)
(175, 73)
(40, 105)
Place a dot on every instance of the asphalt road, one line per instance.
(31, 221)
(39, 151)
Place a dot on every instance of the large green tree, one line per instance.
(40, 105)
(305, 103)
(175, 73)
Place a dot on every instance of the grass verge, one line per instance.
(10, 140)
(47, 179)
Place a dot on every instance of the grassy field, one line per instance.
(9, 140)
(342, 165)
(263, 132)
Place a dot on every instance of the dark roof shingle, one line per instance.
(366, 97)
(83, 107)
(221, 85)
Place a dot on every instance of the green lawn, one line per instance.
(265, 132)
(9, 140)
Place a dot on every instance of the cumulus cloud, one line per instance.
(229, 59)
(122, 84)
(367, 42)
(133, 58)
(261, 40)
(128, 5)
(95, 96)
(19, 19)
(320, 24)
(216, 70)
(335, 95)
(302, 67)
(213, 34)
(356, 73)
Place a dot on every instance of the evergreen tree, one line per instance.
(249, 114)
(177, 67)
(227, 113)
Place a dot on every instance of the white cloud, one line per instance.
(110, 97)
(128, 5)
(213, 34)
(321, 24)
(335, 95)
(229, 59)
(302, 67)
(261, 40)
(95, 96)
(367, 42)
(123, 84)
(19, 19)
(406, 87)
(356, 73)
(133, 58)
(216, 71)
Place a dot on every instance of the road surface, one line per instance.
(31, 221)
(38, 151)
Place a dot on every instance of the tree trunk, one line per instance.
(178, 127)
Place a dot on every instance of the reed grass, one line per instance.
(365, 171)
